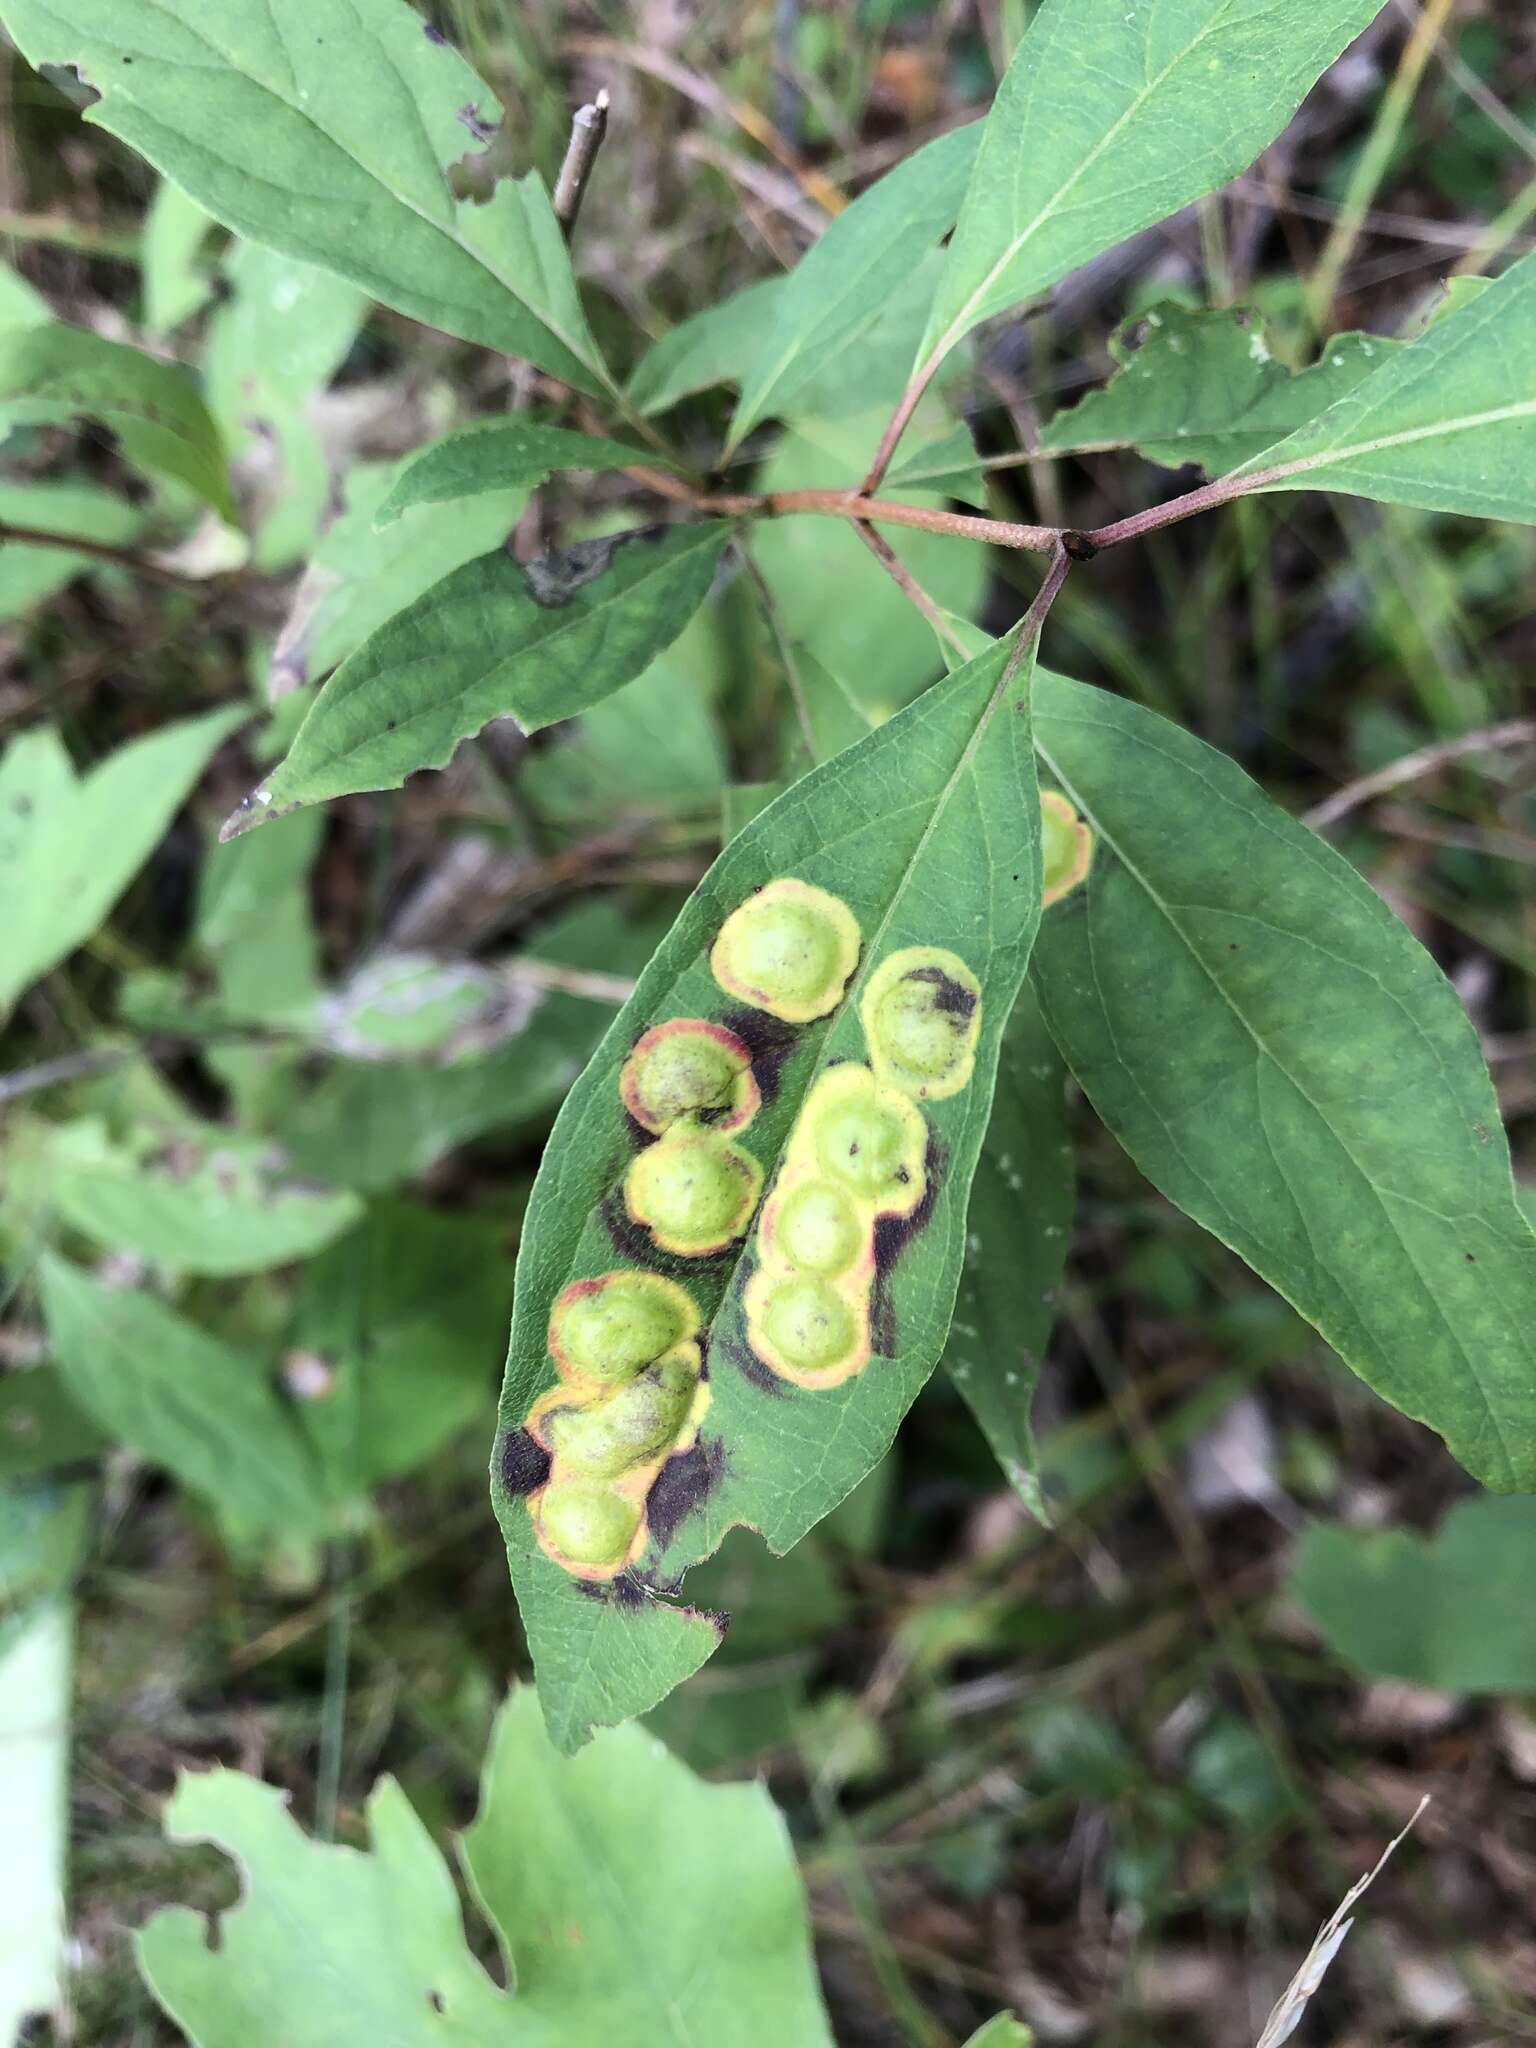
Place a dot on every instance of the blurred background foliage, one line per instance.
(271, 1110)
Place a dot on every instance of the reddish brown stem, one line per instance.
(1001, 533)
(99, 550)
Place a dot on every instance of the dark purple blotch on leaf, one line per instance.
(525, 1464)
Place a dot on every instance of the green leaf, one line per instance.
(403, 1316)
(175, 283)
(1016, 1246)
(691, 1915)
(1281, 1057)
(539, 640)
(949, 464)
(41, 1426)
(1446, 422)
(1113, 115)
(498, 454)
(219, 1212)
(253, 926)
(1202, 386)
(279, 334)
(651, 747)
(183, 1400)
(28, 575)
(70, 845)
(331, 130)
(60, 374)
(633, 1903)
(707, 348)
(1451, 1611)
(21, 304)
(832, 596)
(1002, 2032)
(362, 575)
(845, 278)
(925, 834)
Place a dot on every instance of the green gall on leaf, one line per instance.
(590, 1529)
(690, 1067)
(693, 1191)
(609, 1328)
(805, 1328)
(630, 1426)
(921, 1014)
(788, 950)
(1066, 846)
(869, 1139)
(817, 1226)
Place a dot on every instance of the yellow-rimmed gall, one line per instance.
(805, 1327)
(690, 1067)
(627, 1428)
(789, 950)
(817, 1225)
(693, 1191)
(1066, 846)
(868, 1139)
(589, 1528)
(921, 1012)
(608, 1328)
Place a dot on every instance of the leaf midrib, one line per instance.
(1463, 423)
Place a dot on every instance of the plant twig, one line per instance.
(1514, 732)
(704, 93)
(1003, 533)
(589, 124)
(914, 592)
(99, 550)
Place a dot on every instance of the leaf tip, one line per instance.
(251, 811)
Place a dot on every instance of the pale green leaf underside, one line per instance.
(538, 640)
(844, 278)
(633, 1902)
(182, 1399)
(1451, 1612)
(498, 455)
(1282, 1058)
(1113, 115)
(707, 348)
(69, 846)
(225, 1214)
(1201, 386)
(928, 830)
(1447, 422)
(328, 129)
(59, 373)
(1017, 1234)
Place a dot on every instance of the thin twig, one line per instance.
(589, 124)
(704, 93)
(914, 592)
(1003, 533)
(1514, 732)
(99, 550)
(592, 986)
(69, 1066)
